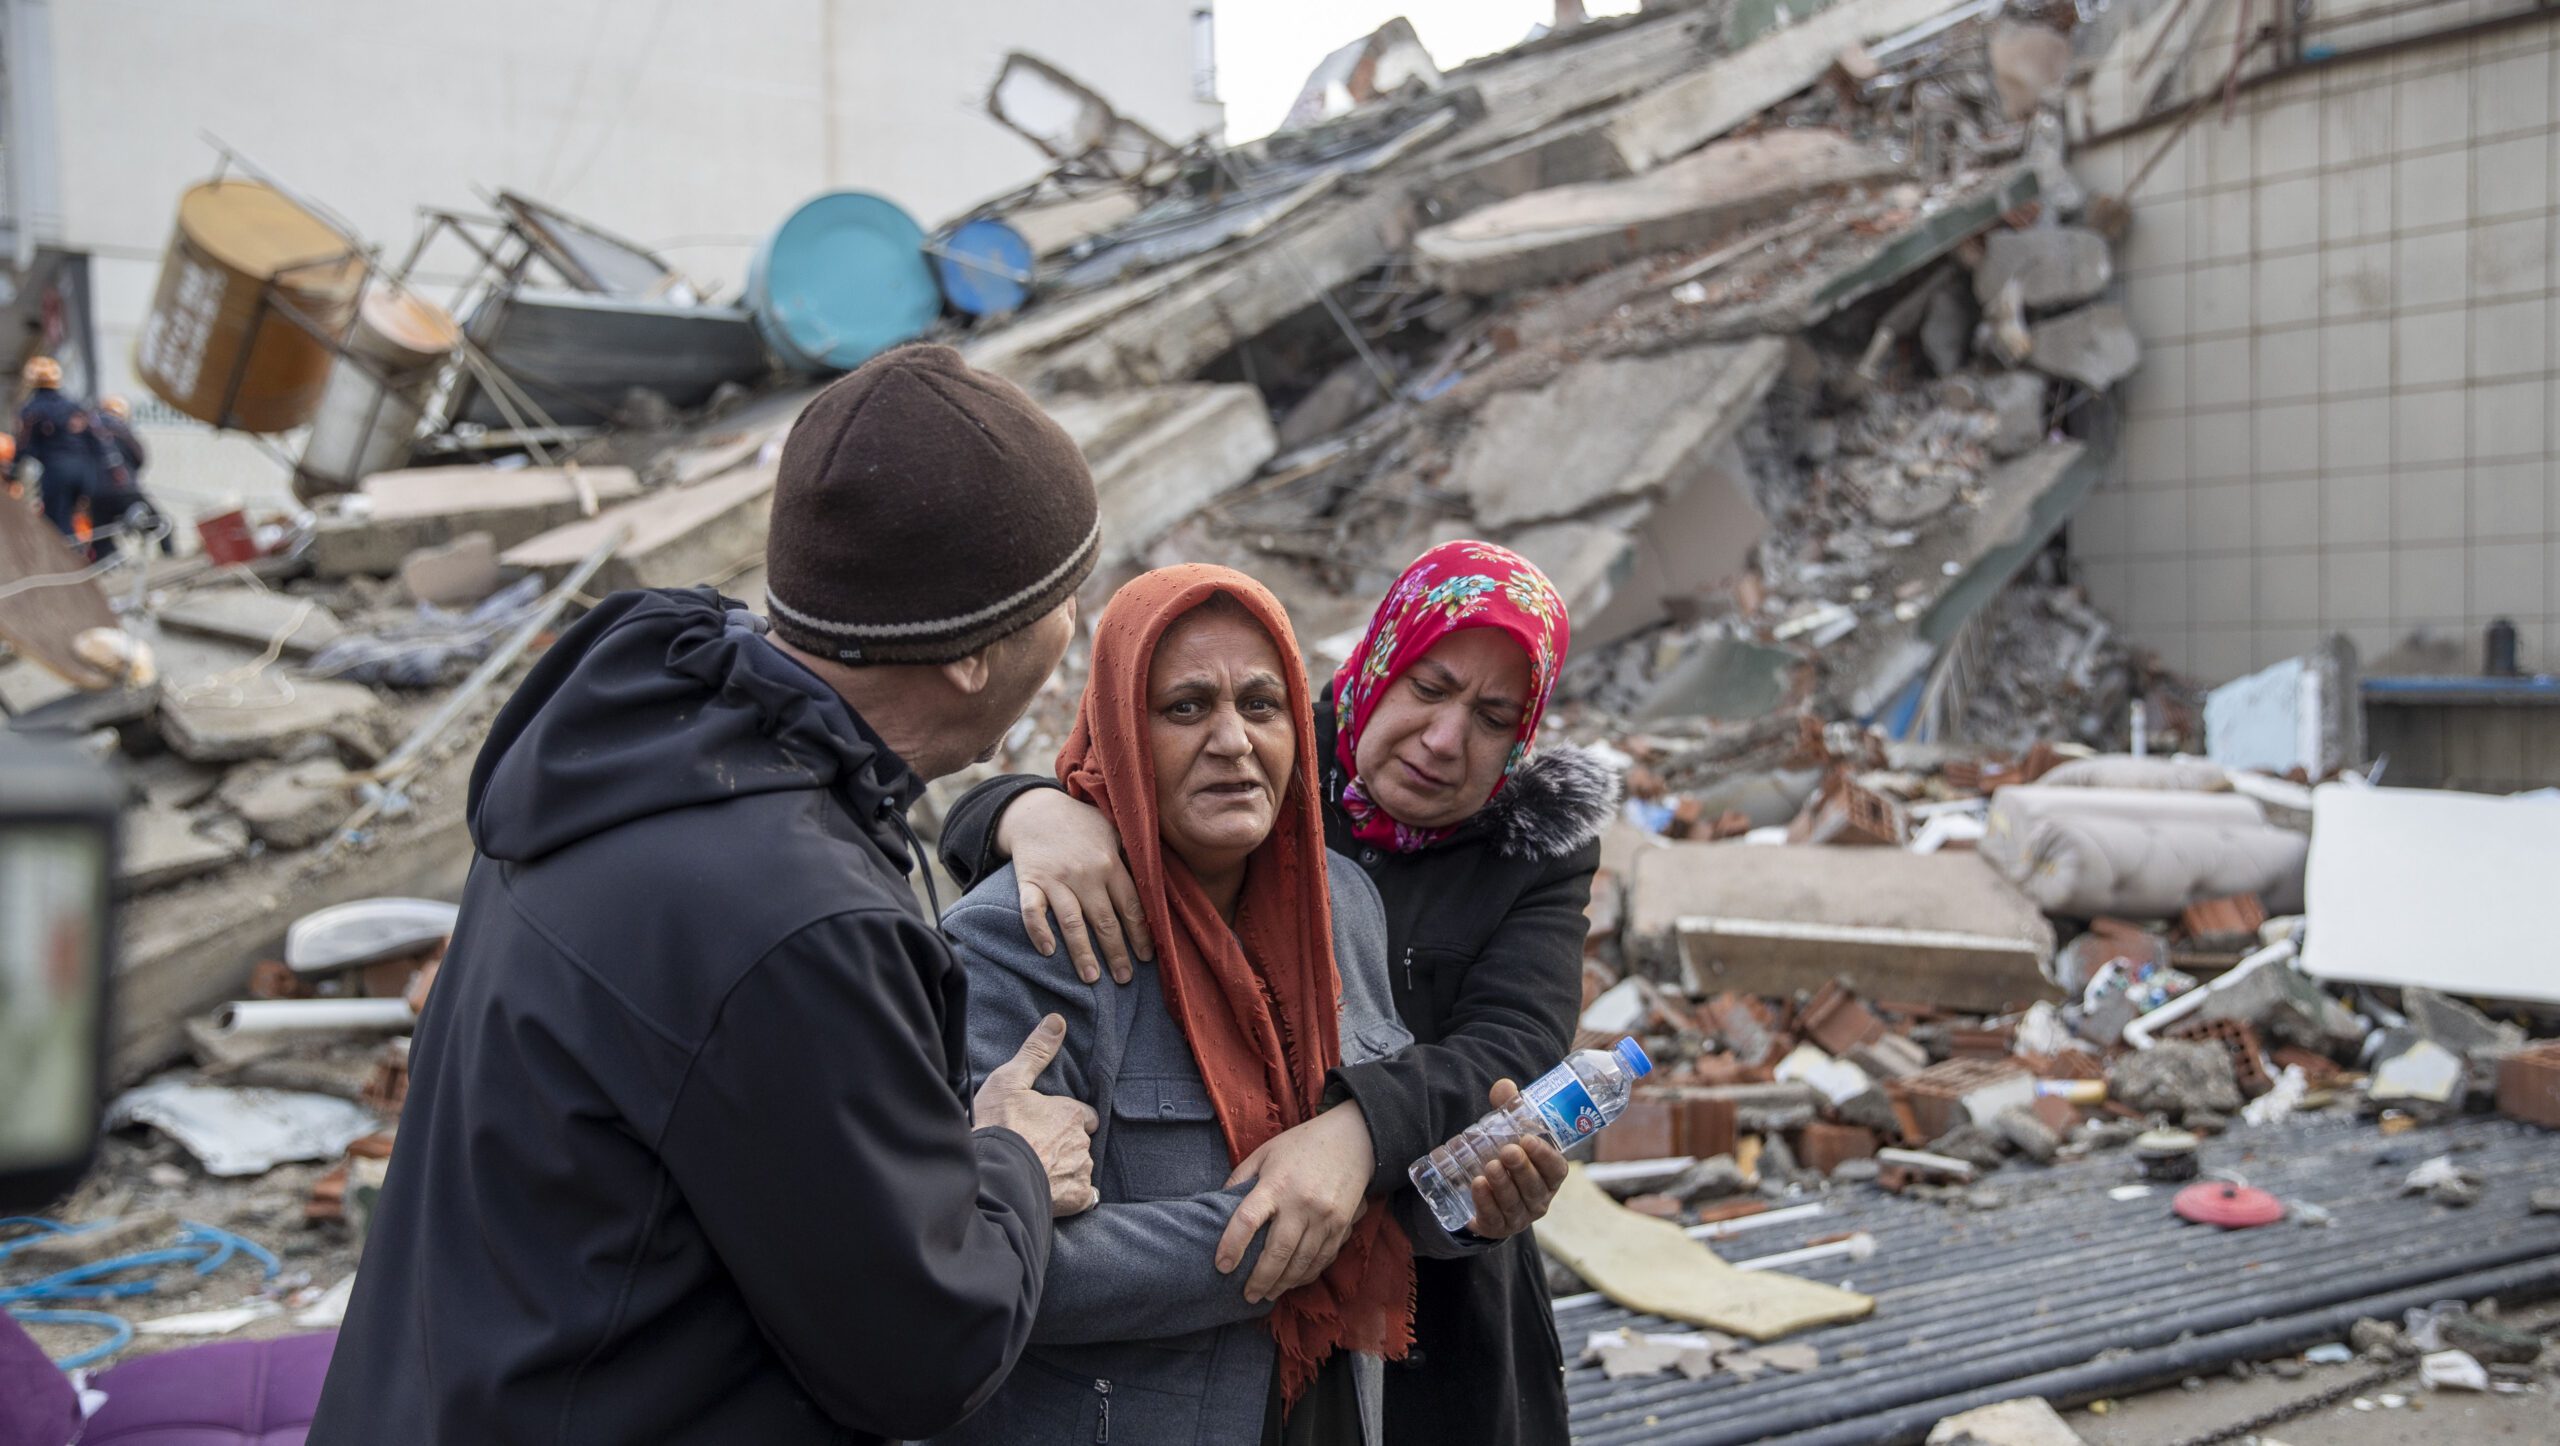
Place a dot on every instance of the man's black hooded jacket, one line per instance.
(686, 1155)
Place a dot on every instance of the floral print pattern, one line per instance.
(1453, 586)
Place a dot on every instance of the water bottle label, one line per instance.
(1567, 1106)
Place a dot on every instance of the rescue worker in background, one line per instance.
(54, 432)
(119, 496)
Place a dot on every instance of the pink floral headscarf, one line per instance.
(1454, 586)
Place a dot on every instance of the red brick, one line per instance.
(2529, 1084)
(1746, 1026)
(1730, 1210)
(1824, 1146)
(1660, 1207)
(2248, 1060)
(2224, 923)
(1838, 1020)
(1647, 1131)
(1705, 1127)
(2059, 1115)
(1931, 1102)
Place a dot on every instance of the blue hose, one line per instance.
(119, 1334)
(204, 1248)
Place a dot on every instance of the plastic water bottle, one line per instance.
(1566, 1105)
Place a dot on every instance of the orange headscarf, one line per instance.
(1259, 1003)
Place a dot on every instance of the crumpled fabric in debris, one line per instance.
(435, 649)
(2086, 852)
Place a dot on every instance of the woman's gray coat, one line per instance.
(1139, 1341)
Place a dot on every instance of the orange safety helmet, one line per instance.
(117, 407)
(8, 449)
(42, 372)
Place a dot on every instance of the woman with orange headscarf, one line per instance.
(1481, 832)
(1196, 738)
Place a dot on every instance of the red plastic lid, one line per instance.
(2233, 1207)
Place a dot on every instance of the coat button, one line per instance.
(1368, 856)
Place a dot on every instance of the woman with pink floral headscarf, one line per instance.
(1482, 839)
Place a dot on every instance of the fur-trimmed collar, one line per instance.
(1555, 804)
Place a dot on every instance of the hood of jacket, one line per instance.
(1555, 803)
(671, 699)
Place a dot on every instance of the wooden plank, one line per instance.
(1653, 1266)
(40, 622)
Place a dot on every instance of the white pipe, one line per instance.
(2138, 1032)
(251, 1017)
(1857, 1247)
(1718, 1229)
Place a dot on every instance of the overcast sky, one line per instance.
(1267, 47)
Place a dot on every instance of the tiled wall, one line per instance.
(2344, 421)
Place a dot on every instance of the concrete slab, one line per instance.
(396, 513)
(2094, 346)
(163, 847)
(1679, 117)
(2053, 265)
(455, 575)
(1610, 430)
(26, 686)
(1944, 927)
(255, 618)
(291, 805)
(1699, 200)
(272, 716)
(679, 536)
(1159, 454)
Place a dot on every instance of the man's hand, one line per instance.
(1309, 1186)
(1066, 857)
(1060, 1130)
(1515, 1190)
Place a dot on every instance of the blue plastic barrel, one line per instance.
(842, 280)
(985, 268)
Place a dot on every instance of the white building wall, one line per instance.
(2345, 417)
(691, 126)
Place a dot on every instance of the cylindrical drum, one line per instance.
(216, 344)
(377, 392)
(842, 279)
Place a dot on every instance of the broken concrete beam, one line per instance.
(2140, 853)
(1944, 927)
(1159, 454)
(395, 513)
(679, 536)
(1160, 328)
(255, 617)
(291, 805)
(1611, 430)
(162, 847)
(1678, 117)
(1573, 230)
(2093, 346)
(274, 724)
(2053, 265)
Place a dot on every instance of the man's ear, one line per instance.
(971, 674)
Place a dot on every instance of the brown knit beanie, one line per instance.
(924, 510)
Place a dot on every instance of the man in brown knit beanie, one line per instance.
(690, 1151)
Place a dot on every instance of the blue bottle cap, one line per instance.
(1631, 1054)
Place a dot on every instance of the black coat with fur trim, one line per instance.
(1484, 940)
